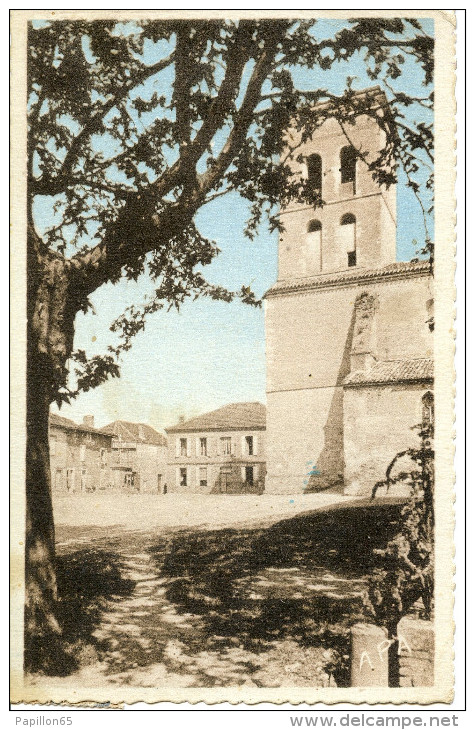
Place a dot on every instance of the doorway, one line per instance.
(70, 480)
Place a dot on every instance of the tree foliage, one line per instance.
(134, 127)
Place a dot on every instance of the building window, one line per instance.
(183, 447)
(427, 409)
(203, 476)
(129, 480)
(52, 445)
(82, 452)
(249, 445)
(183, 478)
(103, 457)
(348, 237)
(226, 445)
(314, 242)
(348, 164)
(314, 171)
(250, 474)
(203, 447)
(314, 226)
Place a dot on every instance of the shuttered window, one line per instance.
(226, 446)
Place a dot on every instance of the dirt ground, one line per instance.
(175, 591)
(148, 511)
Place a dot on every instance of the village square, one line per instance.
(212, 552)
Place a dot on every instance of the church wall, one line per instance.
(309, 337)
(378, 423)
(304, 436)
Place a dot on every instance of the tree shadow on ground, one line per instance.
(301, 580)
(219, 607)
(89, 582)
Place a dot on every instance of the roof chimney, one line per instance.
(88, 421)
(181, 419)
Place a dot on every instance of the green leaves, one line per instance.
(134, 126)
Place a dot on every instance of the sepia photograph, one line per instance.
(233, 282)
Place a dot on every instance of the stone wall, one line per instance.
(416, 659)
(308, 342)
(378, 424)
(415, 649)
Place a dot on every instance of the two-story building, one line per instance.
(221, 452)
(79, 455)
(138, 457)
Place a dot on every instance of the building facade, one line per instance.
(349, 348)
(222, 452)
(138, 458)
(79, 456)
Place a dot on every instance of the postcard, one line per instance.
(233, 256)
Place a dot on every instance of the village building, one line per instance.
(221, 452)
(138, 457)
(348, 342)
(79, 456)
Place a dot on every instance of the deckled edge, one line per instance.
(442, 691)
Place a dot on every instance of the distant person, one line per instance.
(165, 488)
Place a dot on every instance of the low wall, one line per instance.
(369, 654)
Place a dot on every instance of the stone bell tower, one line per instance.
(340, 304)
(356, 227)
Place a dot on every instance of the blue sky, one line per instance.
(212, 353)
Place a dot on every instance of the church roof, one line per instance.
(394, 371)
(395, 270)
(139, 432)
(235, 416)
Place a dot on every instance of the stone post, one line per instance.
(369, 656)
(416, 652)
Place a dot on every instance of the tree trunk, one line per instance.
(393, 655)
(49, 343)
(41, 625)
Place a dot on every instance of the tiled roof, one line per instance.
(235, 416)
(140, 432)
(394, 371)
(348, 276)
(62, 422)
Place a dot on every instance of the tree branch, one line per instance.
(53, 186)
(243, 119)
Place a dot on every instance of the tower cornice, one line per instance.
(397, 270)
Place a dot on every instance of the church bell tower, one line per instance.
(356, 227)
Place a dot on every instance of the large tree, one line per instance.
(132, 129)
